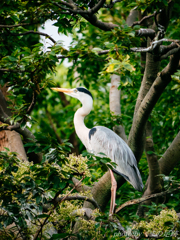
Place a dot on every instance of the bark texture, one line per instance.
(10, 139)
(115, 106)
(171, 157)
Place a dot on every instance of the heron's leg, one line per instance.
(113, 193)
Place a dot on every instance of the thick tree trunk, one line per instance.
(12, 141)
(9, 139)
(150, 74)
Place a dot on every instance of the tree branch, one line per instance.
(154, 44)
(171, 157)
(64, 3)
(97, 6)
(171, 52)
(145, 33)
(101, 25)
(142, 20)
(17, 25)
(154, 182)
(149, 102)
(33, 32)
(88, 15)
(75, 9)
(142, 199)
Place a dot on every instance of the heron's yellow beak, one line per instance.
(65, 90)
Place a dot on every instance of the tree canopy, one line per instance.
(128, 55)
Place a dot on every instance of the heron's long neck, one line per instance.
(81, 130)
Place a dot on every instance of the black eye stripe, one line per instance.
(84, 90)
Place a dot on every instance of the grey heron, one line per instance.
(100, 139)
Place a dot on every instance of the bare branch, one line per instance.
(33, 32)
(154, 44)
(143, 19)
(171, 52)
(97, 6)
(142, 199)
(145, 33)
(101, 25)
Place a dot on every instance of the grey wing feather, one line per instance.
(104, 140)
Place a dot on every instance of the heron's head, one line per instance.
(81, 93)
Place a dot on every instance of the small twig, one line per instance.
(142, 199)
(31, 106)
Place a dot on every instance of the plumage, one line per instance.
(103, 140)
(106, 141)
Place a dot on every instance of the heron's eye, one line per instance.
(75, 90)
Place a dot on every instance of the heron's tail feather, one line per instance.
(134, 178)
(121, 174)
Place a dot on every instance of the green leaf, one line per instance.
(13, 59)
(42, 216)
